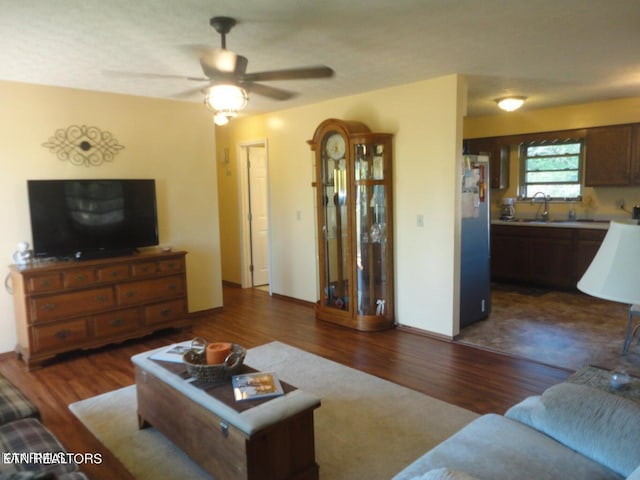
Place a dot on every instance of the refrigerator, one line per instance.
(475, 277)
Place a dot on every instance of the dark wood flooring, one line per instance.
(476, 379)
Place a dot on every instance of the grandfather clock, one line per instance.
(355, 225)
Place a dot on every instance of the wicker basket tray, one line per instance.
(196, 362)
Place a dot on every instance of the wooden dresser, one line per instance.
(67, 305)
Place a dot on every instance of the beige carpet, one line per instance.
(366, 427)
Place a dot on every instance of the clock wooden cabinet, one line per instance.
(355, 225)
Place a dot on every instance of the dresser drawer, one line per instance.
(59, 335)
(79, 277)
(143, 269)
(165, 311)
(113, 323)
(114, 273)
(174, 265)
(54, 307)
(44, 283)
(148, 290)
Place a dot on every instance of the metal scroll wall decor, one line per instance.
(82, 145)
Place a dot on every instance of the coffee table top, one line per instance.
(249, 417)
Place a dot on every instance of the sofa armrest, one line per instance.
(445, 474)
(635, 475)
(599, 425)
(14, 405)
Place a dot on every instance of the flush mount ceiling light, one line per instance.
(510, 103)
(226, 100)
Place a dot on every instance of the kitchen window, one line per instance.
(553, 168)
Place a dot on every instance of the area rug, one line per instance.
(366, 427)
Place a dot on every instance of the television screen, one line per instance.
(88, 218)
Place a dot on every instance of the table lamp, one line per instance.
(614, 273)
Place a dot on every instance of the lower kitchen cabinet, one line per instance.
(544, 256)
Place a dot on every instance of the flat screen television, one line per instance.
(92, 218)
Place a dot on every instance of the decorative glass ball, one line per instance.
(619, 379)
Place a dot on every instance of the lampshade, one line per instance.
(226, 97)
(510, 103)
(614, 273)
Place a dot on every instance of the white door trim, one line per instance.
(243, 202)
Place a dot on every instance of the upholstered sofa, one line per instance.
(570, 432)
(29, 451)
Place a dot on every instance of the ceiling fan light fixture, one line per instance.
(220, 119)
(510, 104)
(226, 100)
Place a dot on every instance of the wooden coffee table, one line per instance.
(266, 440)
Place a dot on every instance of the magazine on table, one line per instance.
(257, 385)
(172, 353)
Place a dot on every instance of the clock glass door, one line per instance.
(335, 224)
(371, 230)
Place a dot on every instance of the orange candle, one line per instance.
(217, 352)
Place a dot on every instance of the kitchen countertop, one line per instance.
(589, 224)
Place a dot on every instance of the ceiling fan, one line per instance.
(223, 66)
(229, 83)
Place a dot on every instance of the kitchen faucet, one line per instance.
(545, 213)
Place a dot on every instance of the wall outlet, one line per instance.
(620, 204)
(420, 220)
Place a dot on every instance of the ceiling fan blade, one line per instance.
(161, 76)
(319, 71)
(267, 91)
(202, 90)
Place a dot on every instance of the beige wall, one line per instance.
(172, 142)
(598, 202)
(426, 119)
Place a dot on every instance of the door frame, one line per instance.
(243, 202)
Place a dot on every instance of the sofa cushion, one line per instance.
(42, 451)
(13, 404)
(493, 447)
(599, 425)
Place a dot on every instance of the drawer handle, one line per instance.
(81, 277)
(45, 283)
(48, 307)
(117, 322)
(101, 298)
(144, 269)
(129, 293)
(165, 312)
(172, 287)
(62, 334)
(114, 273)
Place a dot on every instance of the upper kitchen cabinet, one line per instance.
(612, 156)
(498, 158)
(355, 225)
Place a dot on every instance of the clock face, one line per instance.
(335, 146)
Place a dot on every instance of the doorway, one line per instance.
(254, 191)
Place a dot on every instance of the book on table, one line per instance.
(256, 385)
(173, 353)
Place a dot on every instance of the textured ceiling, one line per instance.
(556, 52)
